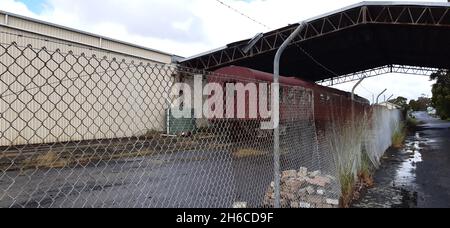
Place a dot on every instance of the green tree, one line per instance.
(414, 105)
(421, 104)
(441, 93)
(403, 103)
(400, 101)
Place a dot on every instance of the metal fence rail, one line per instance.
(83, 131)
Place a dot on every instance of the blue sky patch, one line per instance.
(36, 6)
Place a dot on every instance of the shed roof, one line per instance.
(363, 36)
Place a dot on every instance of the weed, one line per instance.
(399, 136)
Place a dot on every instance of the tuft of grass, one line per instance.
(366, 171)
(346, 141)
(398, 138)
(347, 180)
(412, 122)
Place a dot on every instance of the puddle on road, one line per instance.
(396, 180)
(406, 172)
(402, 181)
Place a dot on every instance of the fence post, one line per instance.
(276, 114)
(353, 97)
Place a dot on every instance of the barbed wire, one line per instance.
(73, 44)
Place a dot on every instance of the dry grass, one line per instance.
(346, 143)
(244, 153)
(152, 134)
(54, 160)
(365, 174)
(352, 188)
(48, 160)
(347, 181)
(412, 123)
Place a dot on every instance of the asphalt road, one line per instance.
(205, 175)
(178, 180)
(417, 176)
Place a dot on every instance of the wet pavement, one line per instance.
(418, 175)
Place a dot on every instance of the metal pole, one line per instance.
(353, 98)
(276, 114)
(378, 98)
(354, 87)
(390, 97)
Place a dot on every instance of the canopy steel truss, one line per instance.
(413, 70)
(432, 15)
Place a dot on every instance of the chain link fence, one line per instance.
(83, 131)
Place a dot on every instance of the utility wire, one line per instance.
(315, 60)
(367, 89)
(296, 44)
(242, 14)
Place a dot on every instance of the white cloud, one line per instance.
(16, 7)
(188, 27)
(409, 86)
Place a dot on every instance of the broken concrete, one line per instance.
(303, 189)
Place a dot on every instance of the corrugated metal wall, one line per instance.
(111, 45)
(62, 33)
(52, 31)
(42, 107)
(2, 18)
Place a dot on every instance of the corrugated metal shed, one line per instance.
(83, 108)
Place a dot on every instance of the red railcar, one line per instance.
(327, 103)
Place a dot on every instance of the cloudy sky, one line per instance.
(188, 27)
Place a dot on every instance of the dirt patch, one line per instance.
(244, 153)
(69, 154)
(65, 159)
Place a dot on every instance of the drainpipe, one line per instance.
(276, 113)
(378, 98)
